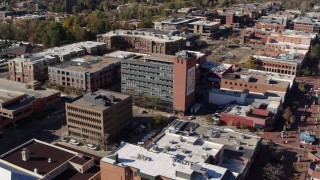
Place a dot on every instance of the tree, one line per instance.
(209, 118)
(67, 90)
(250, 62)
(273, 171)
(242, 125)
(292, 119)
(160, 121)
(287, 114)
(306, 71)
(147, 23)
(315, 51)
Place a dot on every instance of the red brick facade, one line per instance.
(181, 100)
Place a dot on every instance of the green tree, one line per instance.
(7, 31)
(273, 171)
(147, 23)
(160, 121)
(250, 62)
(67, 90)
(315, 51)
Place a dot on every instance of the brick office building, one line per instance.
(256, 81)
(87, 73)
(144, 41)
(30, 67)
(306, 24)
(171, 79)
(273, 23)
(98, 117)
(17, 102)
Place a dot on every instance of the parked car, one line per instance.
(191, 117)
(63, 139)
(170, 116)
(74, 142)
(92, 147)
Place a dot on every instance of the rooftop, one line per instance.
(9, 89)
(71, 174)
(99, 100)
(39, 154)
(215, 67)
(186, 148)
(180, 20)
(150, 35)
(295, 57)
(239, 110)
(123, 54)
(237, 147)
(45, 160)
(306, 20)
(162, 164)
(259, 77)
(205, 23)
(89, 64)
(273, 20)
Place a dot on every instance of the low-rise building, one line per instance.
(251, 110)
(175, 23)
(237, 154)
(146, 41)
(98, 117)
(21, 101)
(284, 62)
(272, 23)
(203, 28)
(87, 73)
(314, 167)
(256, 81)
(30, 67)
(306, 24)
(132, 161)
(40, 160)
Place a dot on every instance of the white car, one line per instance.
(74, 142)
(92, 147)
(170, 116)
(191, 117)
(63, 139)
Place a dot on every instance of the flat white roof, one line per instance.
(160, 163)
(143, 34)
(123, 54)
(204, 23)
(194, 147)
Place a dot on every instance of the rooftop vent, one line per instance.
(35, 170)
(25, 154)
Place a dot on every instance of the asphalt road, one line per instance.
(43, 129)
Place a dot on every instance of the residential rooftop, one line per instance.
(99, 100)
(163, 164)
(89, 64)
